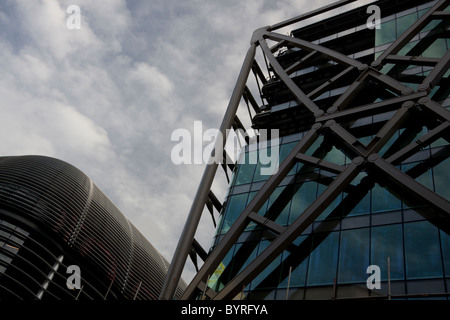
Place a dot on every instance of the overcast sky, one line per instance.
(107, 97)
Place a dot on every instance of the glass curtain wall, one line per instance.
(374, 226)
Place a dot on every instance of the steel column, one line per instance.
(193, 219)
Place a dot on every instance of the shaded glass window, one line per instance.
(285, 149)
(221, 275)
(280, 212)
(269, 277)
(245, 253)
(445, 240)
(431, 25)
(363, 205)
(335, 156)
(246, 168)
(422, 250)
(323, 259)
(332, 206)
(425, 178)
(403, 23)
(387, 241)
(267, 163)
(436, 50)
(383, 200)
(386, 33)
(235, 206)
(297, 262)
(304, 196)
(353, 255)
(315, 148)
(441, 180)
(262, 211)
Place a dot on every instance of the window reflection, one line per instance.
(323, 259)
(353, 255)
(422, 250)
(387, 242)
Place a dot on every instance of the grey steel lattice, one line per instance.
(408, 105)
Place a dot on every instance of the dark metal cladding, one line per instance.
(65, 213)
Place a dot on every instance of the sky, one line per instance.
(106, 97)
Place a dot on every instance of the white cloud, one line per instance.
(107, 97)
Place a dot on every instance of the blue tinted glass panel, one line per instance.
(323, 260)
(269, 277)
(315, 146)
(304, 196)
(246, 168)
(436, 50)
(363, 206)
(386, 33)
(425, 178)
(335, 156)
(261, 211)
(332, 206)
(299, 265)
(353, 256)
(219, 278)
(282, 217)
(404, 22)
(422, 250)
(441, 180)
(445, 240)
(387, 241)
(383, 200)
(235, 206)
(246, 249)
(267, 163)
(285, 149)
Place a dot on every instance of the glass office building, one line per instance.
(393, 109)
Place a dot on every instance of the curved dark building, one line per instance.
(53, 216)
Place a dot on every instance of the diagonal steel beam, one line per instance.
(370, 109)
(298, 65)
(437, 73)
(411, 32)
(319, 163)
(352, 143)
(301, 97)
(440, 131)
(435, 107)
(324, 51)
(411, 186)
(331, 82)
(241, 222)
(187, 236)
(360, 83)
(412, 60)
(292, 232)
(389, 129)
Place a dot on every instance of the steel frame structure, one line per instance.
(408, 105)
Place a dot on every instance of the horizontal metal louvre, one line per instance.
(62, 200)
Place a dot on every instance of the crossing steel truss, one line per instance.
(412, 109)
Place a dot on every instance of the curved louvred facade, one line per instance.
(61, 211)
